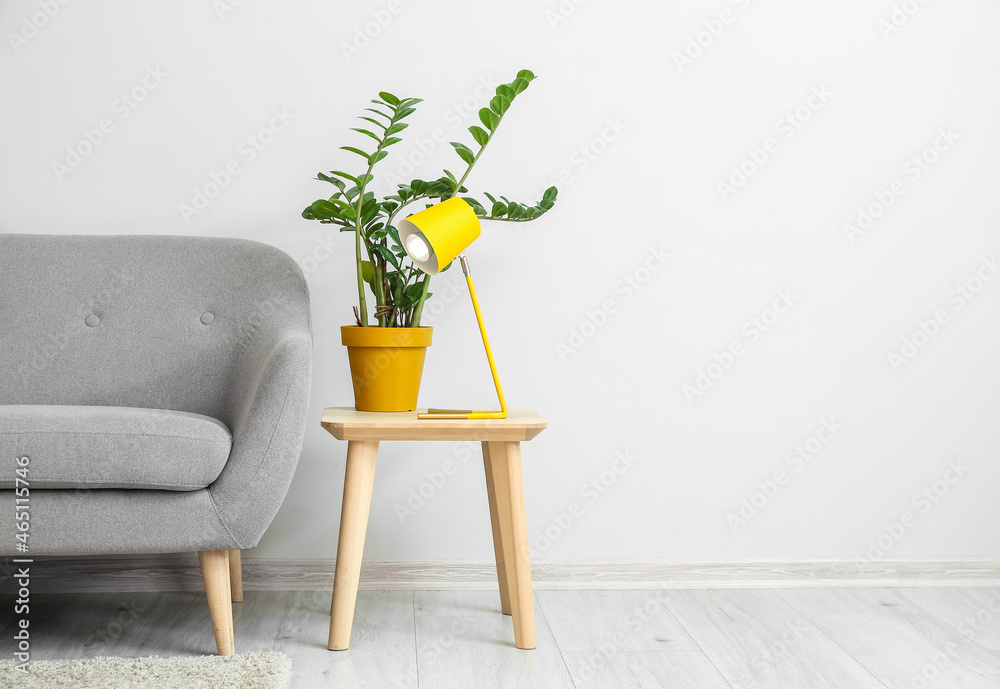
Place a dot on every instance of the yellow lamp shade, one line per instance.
(434, 237)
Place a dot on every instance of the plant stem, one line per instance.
(483, 148)
(408, 201)
(493, 219)
(377, 290)
(460, 182)
(418, 310)
(361, 281)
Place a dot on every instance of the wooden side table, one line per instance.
(501, 439)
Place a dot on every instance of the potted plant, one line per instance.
(387, 356)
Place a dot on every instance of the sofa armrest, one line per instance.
(267, 416)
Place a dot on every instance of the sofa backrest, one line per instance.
(137, 321)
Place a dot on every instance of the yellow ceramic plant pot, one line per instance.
(386, 365)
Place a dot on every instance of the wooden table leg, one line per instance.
(505, 466)
(358, 482)
(497, 536)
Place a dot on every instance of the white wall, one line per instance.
(650, 184)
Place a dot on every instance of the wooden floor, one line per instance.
(698, 639)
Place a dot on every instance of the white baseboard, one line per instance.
(181, 573)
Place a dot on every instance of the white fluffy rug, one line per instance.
(245, 671)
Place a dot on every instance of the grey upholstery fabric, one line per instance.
(111, 447)
(214, 327)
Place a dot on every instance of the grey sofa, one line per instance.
(156, 390)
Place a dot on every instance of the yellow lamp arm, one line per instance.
(463, 413)
(502, 414)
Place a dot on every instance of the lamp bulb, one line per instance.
(417, 248)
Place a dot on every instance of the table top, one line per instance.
(346, 423)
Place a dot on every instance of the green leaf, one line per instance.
(344, 175)
(336, 182)
(324, 210)
(366, 133)
(499, 210)
(329, 210)
(368, 209)
(394, 233)
(332, 180)
(358, 151)
(397, 128)
(413, 291)
(373, 121)
(479, 134)
(391, 140)
(387, 255)
(526, 74)
(404, 112)
(367, 272)
(550, 194)
(381, 155)
(388, 98)
(379, 112)
(476, 206)
(440, 188)
(464, 152)
(507, 91)
(490, 196)
(489, 118)
(408, 102)
(519, 85)
(499, 105)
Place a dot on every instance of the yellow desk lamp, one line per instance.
(433, 238)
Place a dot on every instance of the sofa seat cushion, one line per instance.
(111, 447)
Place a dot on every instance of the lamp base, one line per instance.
(462, 414)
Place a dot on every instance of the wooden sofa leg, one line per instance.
(215, 571)
(236, 575)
